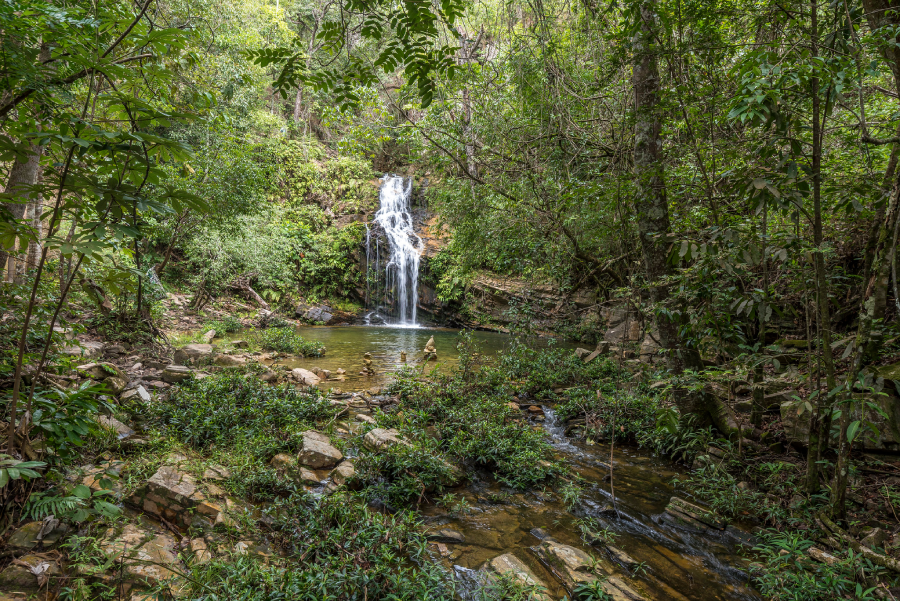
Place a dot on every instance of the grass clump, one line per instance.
(237, 410)
(228, 324)
(338, 549)
(287, 340)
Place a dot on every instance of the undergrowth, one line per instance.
(287, 340)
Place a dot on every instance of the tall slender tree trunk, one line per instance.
(20, 186)
(821, 416)
(651, 204)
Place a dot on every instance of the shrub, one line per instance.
(287, 340)
(224, 325)
(239, 411)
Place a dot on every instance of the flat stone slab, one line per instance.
(381, 438)
(446, 535)
(512, 565)
(691, 515)
(174, 374)
(574, 567)
(146, 558)
(306, 377)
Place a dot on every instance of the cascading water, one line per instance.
(401, 274)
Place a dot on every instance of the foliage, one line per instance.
(15, 469)
(787, 573)
(78, 506)
(287, 340)
(65, 418)
(235, 410)
(228, 324)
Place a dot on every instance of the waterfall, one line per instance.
(402, 270)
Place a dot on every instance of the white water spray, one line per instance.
(402, 271)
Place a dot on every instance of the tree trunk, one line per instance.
(651, 204)
(22, 178)
(34, 246)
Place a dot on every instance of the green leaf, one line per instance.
(82, 492)
(852, 430)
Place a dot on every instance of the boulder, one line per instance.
(795, 421)
(509, 564)
(366, 419)
(104, 476)
(115, 385)
(209, 336)
(381, 438)
(175, 374)
(582, 353)
(193, 354)
(874, 538)
(111, 423)
(177, 497)
(309, 477)
(85, 350)
(623, 326)
(650, 348)
(229, 360)
(137, 395)
(240, 343)
(344, 474)
(201, 551)
(284, 462)
(46, 533)
(99, 371)
(29, 573)
(304, 376)
(317, 451)
(321, 313)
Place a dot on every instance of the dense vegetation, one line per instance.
(724, 171)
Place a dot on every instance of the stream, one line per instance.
(679, 564)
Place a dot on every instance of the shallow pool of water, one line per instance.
(346, 345)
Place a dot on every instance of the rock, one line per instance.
(177, 497)
(603, 347)
(743, 486)
(46, 533)
(284, 462)
(623, 325)
(320, 313)
(115, 385)
(593, 356)
(305, 377)
(403, 356)
(104, 476)
(574, 567)
(229, 360)
(430, 343)
(513, 566)
(175, 374)
(100, 371)
(240, 344)
(344, 473)
(201, 551)
(381, 438)
(340, 371)
(317, 451)
(85, 350)
(795, 421)
(822, 556)
(193, 354)
(146, 559)
(309, 477)
(582, 353)
(136, 395)
(216, 473)
(29, 573)
(688, 514)
(320, 373)
(208, 337)
(650, 348)
(111, 423)
(513, 406)
(446, 535)
(874, 538)
(367, 419)
(621, 557)
(775, 399)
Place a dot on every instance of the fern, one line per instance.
(40, 505)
